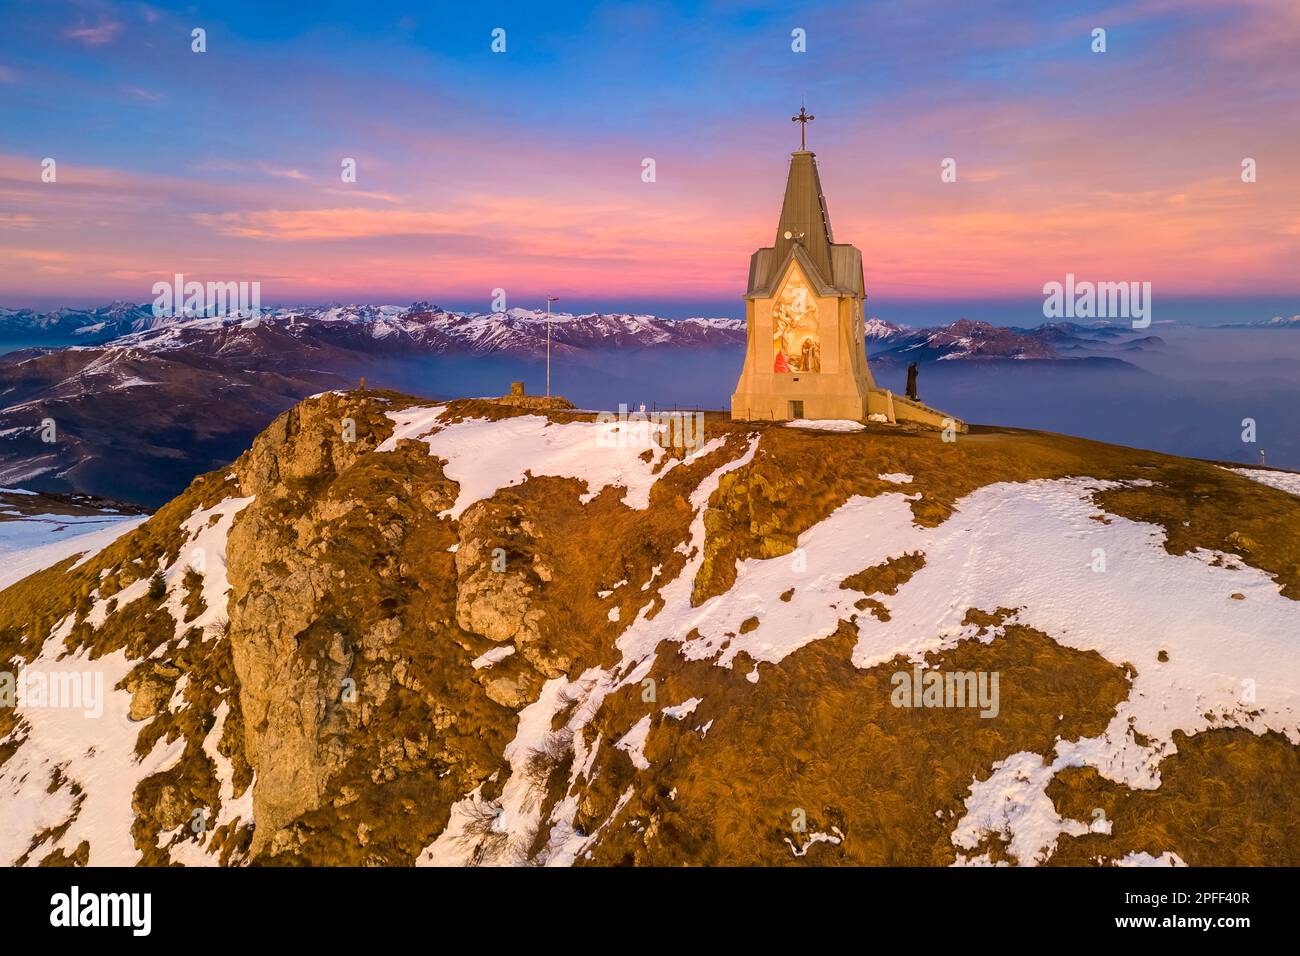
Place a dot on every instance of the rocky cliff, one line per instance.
(475, 634)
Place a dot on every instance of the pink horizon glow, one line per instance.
(1139, 181)
(999, 238)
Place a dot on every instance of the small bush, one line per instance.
(193, 584)
(554, 754)
(480, 830)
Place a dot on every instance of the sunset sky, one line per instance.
(522, 170)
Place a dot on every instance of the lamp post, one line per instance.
(549, 300)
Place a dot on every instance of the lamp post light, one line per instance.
(549, 300)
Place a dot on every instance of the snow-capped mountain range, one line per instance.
(1277, 322)
(968, 340)
(96, 324)
(379, 328)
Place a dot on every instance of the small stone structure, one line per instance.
(519, 398)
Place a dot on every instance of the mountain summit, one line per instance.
(465, 633)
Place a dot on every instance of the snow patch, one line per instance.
(826, 424)
(1287, 481)
(204, 550)
(495, 655)
(684, 709)
(1167, 858)
(411, 423)
(834, 837)
(484, 456)
(633, 743)
(97, 753)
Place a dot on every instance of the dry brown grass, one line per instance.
(193, 585)
(1227, 798)
(887, 577)
(819, 734)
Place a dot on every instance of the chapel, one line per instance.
(805, 357)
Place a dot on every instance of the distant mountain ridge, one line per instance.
(380, 328)
(109, 321)
(969, 340)
(1277, 322)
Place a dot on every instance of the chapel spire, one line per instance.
(804, 219)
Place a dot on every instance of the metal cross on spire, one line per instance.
(803, 119)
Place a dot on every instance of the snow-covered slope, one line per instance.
(38, 531)
(33, 542)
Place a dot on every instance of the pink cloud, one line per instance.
(307, 224)
(105, 31)
(283, 172)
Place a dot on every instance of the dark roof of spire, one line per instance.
(803, 213)
(832, 267)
